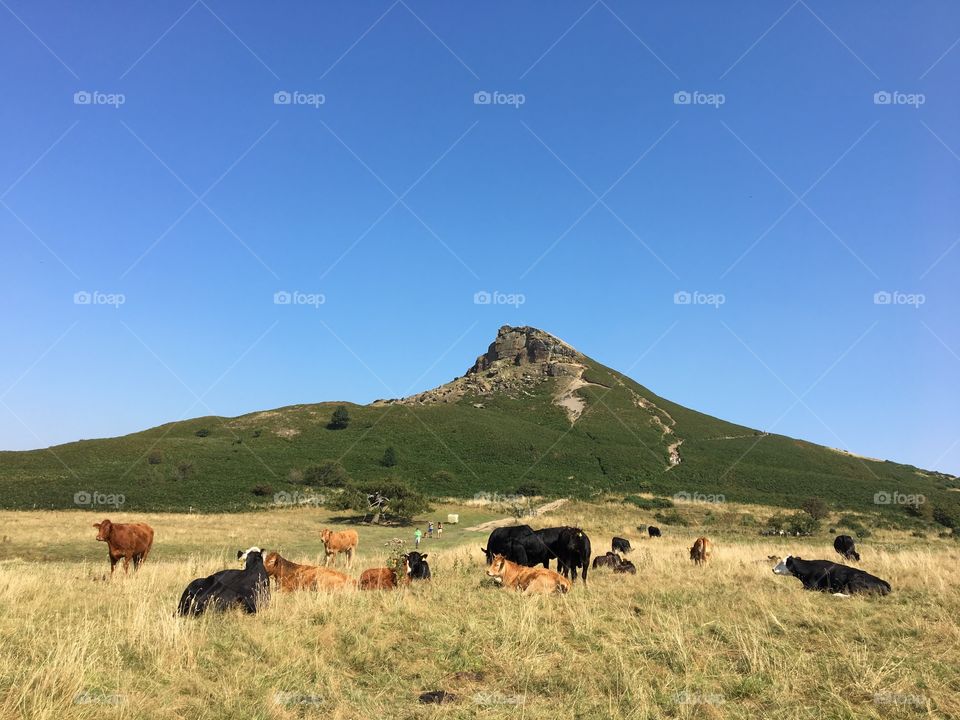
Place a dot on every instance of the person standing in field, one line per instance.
(439, 530)
(430, 529)
(416, 537)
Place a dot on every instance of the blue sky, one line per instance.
(739, 155)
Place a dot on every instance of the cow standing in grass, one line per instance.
(335, 543)
(130, 541)
(701, 551)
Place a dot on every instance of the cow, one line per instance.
(526, 579)
(291, 576)
(619, 544)
(130, 541)
(701, 551)
(626, 567)
(653, 531)
(827, 576)
(611, 560)
(248, 589)
(512, 542)
(845, 546)
(335, 543)
(381, 578)
(417, 567)
(571, 547)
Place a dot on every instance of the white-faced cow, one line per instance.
(248, 589)
(832, 577)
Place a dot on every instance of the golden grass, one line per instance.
(727, 640)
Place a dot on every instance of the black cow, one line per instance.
(512, 542)
(248, 588)
(611, 560)
(827, 576)
(417, 567)
(619, 544)
(844, 545)
(653, 531)
(625, 566)
(571, 547)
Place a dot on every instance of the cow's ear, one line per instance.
(239, 554)
(483, 550)
(97, 525)
(423, 557)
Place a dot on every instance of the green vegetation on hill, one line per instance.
(502, 442)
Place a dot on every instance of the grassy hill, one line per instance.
(499, 429)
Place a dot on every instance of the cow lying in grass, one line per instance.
(827, 576)
(416, 566)
(616, 563)
(381, 578)
(526, 579)
(292, 576)
(129, 541)
(248, 588)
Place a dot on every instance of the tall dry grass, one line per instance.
(674, 641)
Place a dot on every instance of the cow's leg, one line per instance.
(350, 558)
(126, 564)
(113, 563)
(583, 575)
(136, 561)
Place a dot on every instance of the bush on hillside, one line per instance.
(815, 508)
(329, 473)
(262, 490)
(380, 500)
(202, 433)
(155, 457)
(389, 458)
(654, 503)
(340, 418)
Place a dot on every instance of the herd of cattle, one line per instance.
(513, 555)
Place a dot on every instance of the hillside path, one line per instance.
(492, 524)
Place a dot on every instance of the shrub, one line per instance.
(815, 508)
(184, 469)
(654, 503)
(262, 490)
(329, 473)
(671, 518)
(389, 458)
(340, 418)
(295, 476)
(947, 515)
(202, 433)
(155, 457)
(529, 489)
(380, 499)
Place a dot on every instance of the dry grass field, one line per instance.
(728, 640)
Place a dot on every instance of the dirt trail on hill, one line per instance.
(492, 524)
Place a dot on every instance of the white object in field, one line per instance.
(453, 518)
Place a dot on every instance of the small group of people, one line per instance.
(418, 533)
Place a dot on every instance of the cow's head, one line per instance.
(250, 553)
(271, 562)
(412, 559)
(497, 566)
(325, 535)
(784, 567)
(103, 530)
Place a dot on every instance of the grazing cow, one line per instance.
(845, 546)
(701, 551)
(626, 567)
(417, 567)
(653, 531)
(248, 588)
(130, 541)
(619, 544)
(291, 576)
(335, 543)
(381, 578)
(827, 576)
(611, 560)
(526, 579)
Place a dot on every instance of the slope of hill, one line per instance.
(532, 413)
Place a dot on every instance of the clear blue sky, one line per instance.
(796, 199)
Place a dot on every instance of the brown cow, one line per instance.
(701, 551)
(381, 578)
(526, 579)
(292, 576)
(130, 541)
(335, 543)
